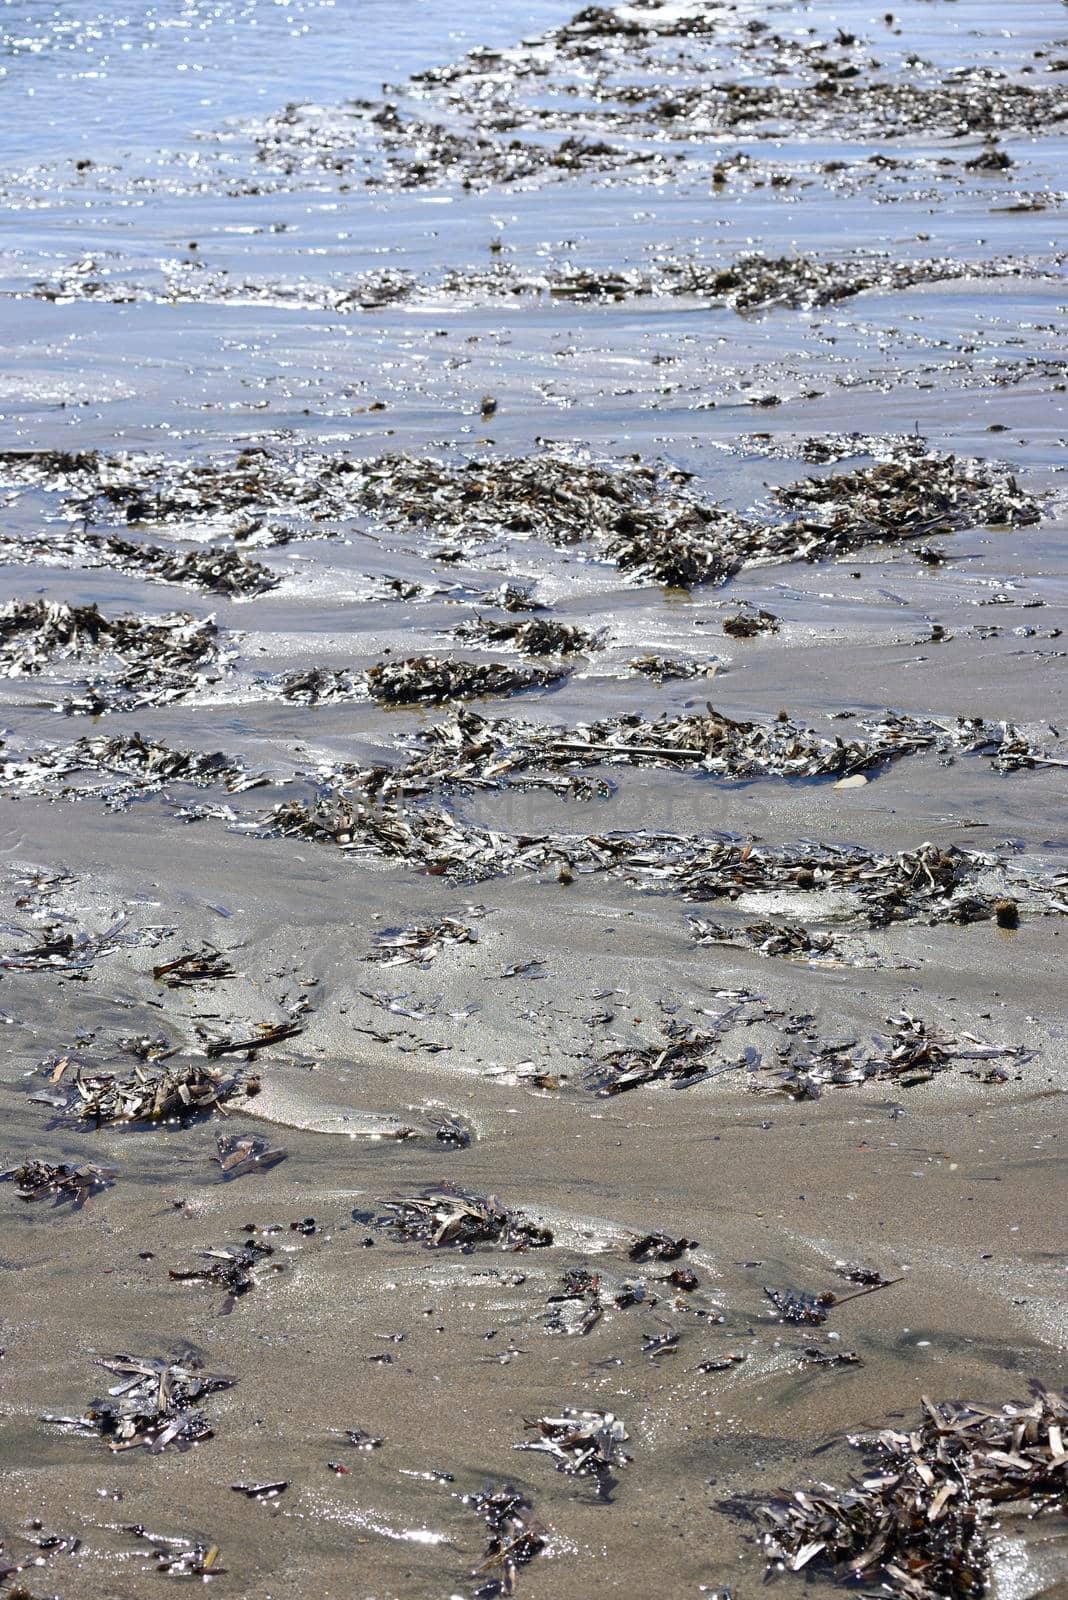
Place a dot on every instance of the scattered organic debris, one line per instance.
(920, 1522)
(537, 636)
(581, 1443)
(420, 945)
(448, 1216)
(469, 747)
(213, 571)
(813, 1309)
(689, 1056)
(178, 1558)
(789, 942)
(748, 624)
(515, 1538)
(142, 661)
(140, 765)
(812, 1356)
(38, 1180)
(240, 1154)
(170, 1094)
(433, 680)
(662, 669)
(261, 1491)
(267, 1033)
(578, 1307)
(912, 1055)
(196, 966)
(156, 1403)
(64, 952)
(233, 1268)
(910, 498)
(660, 1247)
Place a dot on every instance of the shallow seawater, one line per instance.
(314, 352)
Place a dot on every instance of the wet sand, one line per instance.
(406, 273)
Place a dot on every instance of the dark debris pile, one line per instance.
(448, 1216)
(176, 1094)
(436, 680)
(420, 945)
(40, 1180)
(919, 1522)
(195, 966)
(912, 1054)
(514, 1537)
(214, 570)
(536, 636)
(469, 747)
(142, 661)
(581, 1443)
(232, 1268)
(155, 1404)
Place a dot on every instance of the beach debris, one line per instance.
(903, 499)
(660, 1247)
(937, 883)
(321, 686)
(663, 669)
(233, 1268)
(1007, 913)
(64, 952)
(435, 680)
(212, 571)
(240, 1154)
(814, 1309)
(39, 1180)
(169, 1094)
(800, 1306)
(812, 1356)
(153, 660)
(515, 597)
(261, 1491)
(140, 765)
(911, 1055)
(578, 1307)
(931, 882)
(724, 1363)
(361, 1440)
(689, 1056)
(419, 945)
(180, 1558)
(537, 636)
(581, 1443)
(448, 1216)
(515, 1537)
(919, 1523)
(467, 747)
(787, 941)
(748, 624)
(196, 966)
(267, 1033)
(156, 1404)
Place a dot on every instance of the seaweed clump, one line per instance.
(448, 1216)
(433, 680)
(581, 1443)
(40, 1180)
(908, 498)
(158, 659)
(155, 1404)
(170, 1094)
(920, 1521)
(537, 636)
(515, 1538)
